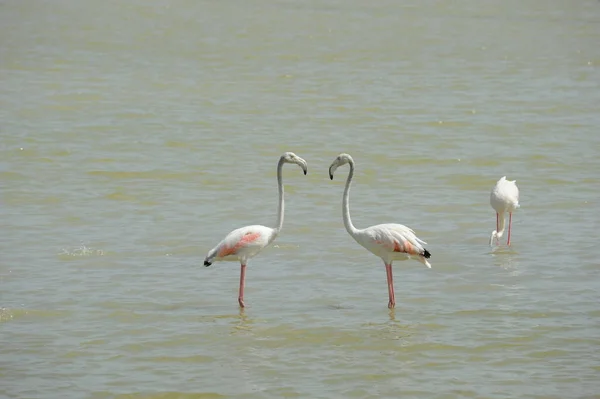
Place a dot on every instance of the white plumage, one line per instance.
(388, 241)
(246, 242)
(504, 198)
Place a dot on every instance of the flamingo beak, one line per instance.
(333, 168)
(304, 167)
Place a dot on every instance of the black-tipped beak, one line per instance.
(330, 176)
(207, 263)
(305, 171)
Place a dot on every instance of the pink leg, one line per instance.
(509, 223)
(242, 281)
(390, 281)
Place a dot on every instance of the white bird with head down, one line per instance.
(504, 198)
(246, 242)
(390, 241)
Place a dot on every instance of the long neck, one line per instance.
(280, 209)
(345, 203)
(500, 225)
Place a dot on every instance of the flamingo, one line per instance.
(389, 241)
(246, 242)
(504, 198)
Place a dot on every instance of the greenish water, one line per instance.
(135, 135)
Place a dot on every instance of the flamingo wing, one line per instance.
(237, 242)
(513, 192)
(242, 243)
(397, 238)
(393, 238)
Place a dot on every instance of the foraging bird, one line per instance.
(388, 241)
(503, 198)
(246, 242)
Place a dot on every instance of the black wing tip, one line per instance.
(207, 263)
(426, 254)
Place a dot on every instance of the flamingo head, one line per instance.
(340, 160)
(290, 157)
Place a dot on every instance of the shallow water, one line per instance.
(135, 136)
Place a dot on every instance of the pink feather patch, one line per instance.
(405, 247)
(232, 250)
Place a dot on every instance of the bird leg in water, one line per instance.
(390, 281)
(242, 280)
(509, 223)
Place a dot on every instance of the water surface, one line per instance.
(135, 136)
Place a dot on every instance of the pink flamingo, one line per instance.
(504, 198)
(246, 242)
(388, 241)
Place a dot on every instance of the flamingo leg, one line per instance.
(242, 282)
(390, 282)
(509, 223)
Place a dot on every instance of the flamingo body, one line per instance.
(246, 242)
(242, 244)
(504, 198)
(392, 242)
(388, 241)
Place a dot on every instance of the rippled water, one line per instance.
(135, 135)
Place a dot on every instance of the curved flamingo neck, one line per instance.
(500, 225)
(345, 203)
(280, 209)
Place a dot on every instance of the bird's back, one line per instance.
(390, 238)
(505, 196)
(243, 242)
